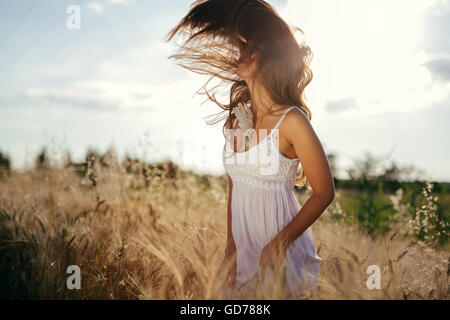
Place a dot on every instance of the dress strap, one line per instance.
(282, 117)
(279, 121)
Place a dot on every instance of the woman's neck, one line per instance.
(258, 96)
(262, 103)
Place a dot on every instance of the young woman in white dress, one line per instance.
(247, 45)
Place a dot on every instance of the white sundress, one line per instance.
(263, 203)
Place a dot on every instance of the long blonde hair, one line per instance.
(215, 33)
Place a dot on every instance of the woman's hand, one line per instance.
(272, 254)
(229, 260)
(244, 116)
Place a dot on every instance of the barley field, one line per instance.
(154, 231)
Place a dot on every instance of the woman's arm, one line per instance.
(299, 132)
(230, 239)
(230, 250)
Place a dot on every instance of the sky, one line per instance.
(381, 82)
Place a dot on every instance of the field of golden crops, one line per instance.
(157, 232)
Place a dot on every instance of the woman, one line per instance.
(246, 45)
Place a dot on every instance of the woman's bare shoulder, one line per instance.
(296, 123)
(295, 117)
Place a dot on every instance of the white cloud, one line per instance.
(94, 95)
(121, 1)
(98, 7)
(95, 7)
(366, 50)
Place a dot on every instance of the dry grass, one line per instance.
(161, 235)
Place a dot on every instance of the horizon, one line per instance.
(381, 82)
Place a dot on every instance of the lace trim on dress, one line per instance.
(268, 185)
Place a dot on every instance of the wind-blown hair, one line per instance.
(214, 35)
